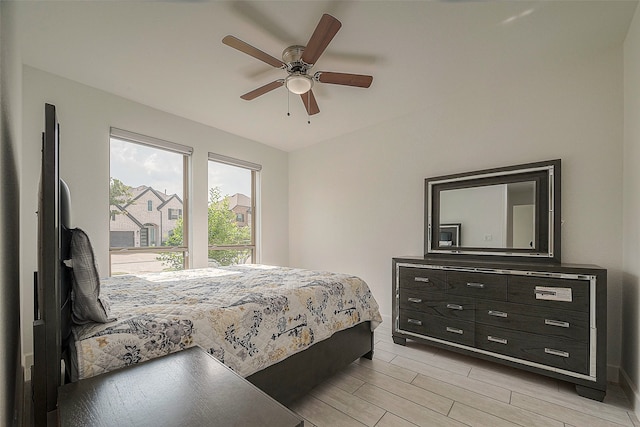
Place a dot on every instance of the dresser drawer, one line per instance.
(565, 294)
(477, 285)
(557, 352)
(540, 320)
(437, 304)
(423, 279)
(454, 330)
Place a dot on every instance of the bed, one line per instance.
(284, 329)
(248, 316)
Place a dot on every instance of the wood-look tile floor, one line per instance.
(424, 386)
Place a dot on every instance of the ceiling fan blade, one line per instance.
(358, 80)
(262, 90)
(320, 39)
(255, 52)
(310, 103)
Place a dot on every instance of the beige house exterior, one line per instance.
(241, 206)
(148, 220)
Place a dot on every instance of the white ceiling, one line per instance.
(169, 55)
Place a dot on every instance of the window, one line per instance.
(232, 213)
(145, 173)
(174, 213)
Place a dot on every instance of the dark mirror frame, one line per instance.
(547, 214)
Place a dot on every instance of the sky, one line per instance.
(137, 164)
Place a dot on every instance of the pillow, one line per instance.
(86, 303)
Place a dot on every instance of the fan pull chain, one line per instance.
(288, 109)
(309, 104)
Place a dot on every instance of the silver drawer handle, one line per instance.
(556, 323)
(556, 352)
(422, 279)
(455, 330)
(498, 340)
(455, 307)
(416, 300)
(545, 292)
(475, 285)
(497, 313)
(415, 321)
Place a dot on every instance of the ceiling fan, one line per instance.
(297, 61)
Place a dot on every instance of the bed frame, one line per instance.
(284, 381)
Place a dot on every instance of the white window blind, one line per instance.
(235, 162)
(151, 141)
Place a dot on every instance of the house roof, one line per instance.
(170, 198)
(142, 190)
(127, 214)
(169, 55)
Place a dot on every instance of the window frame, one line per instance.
(255, 179)
(187, 154)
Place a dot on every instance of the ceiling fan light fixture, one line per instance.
(299, 83)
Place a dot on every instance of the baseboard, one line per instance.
(613, 374)
(631, 390)
(386, 320)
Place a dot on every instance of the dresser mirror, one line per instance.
(509, 212)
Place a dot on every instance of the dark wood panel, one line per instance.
(540, 320)
(438, 304)
(477, 285)
(298, 374)
(454, 330)
(522, 289)
(423, 279)
(557, 352)
(187, 388)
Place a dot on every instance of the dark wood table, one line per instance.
(187, 388)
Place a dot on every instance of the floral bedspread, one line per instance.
(249, 317)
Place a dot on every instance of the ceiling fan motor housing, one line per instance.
(291, 56)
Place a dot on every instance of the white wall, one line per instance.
(358, 200)
(631, 213)
(85, 115)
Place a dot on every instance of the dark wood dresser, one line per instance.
(549, 319)
(187, 388)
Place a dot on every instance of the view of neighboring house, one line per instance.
(241, 206)
(147, 220)
(151, 216)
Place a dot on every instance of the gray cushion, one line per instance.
(87, 304)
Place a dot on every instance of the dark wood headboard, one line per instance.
(52, 298)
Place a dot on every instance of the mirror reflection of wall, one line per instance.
(481, 212)
(493, 216)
